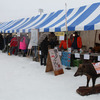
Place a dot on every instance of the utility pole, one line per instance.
(40, 11)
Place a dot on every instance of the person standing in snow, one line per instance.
(7, 43)
(1, 42)
(14, 45)
(52, 40)
(23, 44)
(44, 51)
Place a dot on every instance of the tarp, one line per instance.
(92, 36)
(78, 19)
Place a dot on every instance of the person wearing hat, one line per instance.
(63, 43)
(52, 40)
(77, 42)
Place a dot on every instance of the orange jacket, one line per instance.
(63, 44)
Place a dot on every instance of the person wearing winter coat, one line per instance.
(14, 45)
(1, 42)
(44, 51)
(7, 43)
(52, 40)
(63, 43)
(23, 44)
(77, 42)
(70, 41)
(8, 39)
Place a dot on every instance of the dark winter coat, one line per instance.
(52, 40)
(44, 46)
(8, 39)
(77, 42)
(1, 42)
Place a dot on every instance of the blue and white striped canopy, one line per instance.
(78, 19)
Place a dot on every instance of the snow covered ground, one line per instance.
(23, 79)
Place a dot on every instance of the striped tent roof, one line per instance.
(78, 19)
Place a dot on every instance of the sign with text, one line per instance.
(34, 37)
(69, 50)
(86, 56)
(30, 45)
(77, 55)
(98, 58)
(54, 62)
(61, 38)
(59, 33)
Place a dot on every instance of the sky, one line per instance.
(16, 9)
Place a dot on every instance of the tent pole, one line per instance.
(95, 37)
(66, 24)
(38, 47)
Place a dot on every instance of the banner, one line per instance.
(61, 38)
(34, 38)
(97, 67)
(65, 59)
(59, 33)
(55, 59)
(18, 34)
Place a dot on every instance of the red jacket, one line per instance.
(79, 42)
(14, 42)
(70, 42)
(63, 44)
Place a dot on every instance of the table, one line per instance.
(93, 57)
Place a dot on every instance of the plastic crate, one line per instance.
(65, 59)
(76, 62)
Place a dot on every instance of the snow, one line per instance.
(23, 79)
